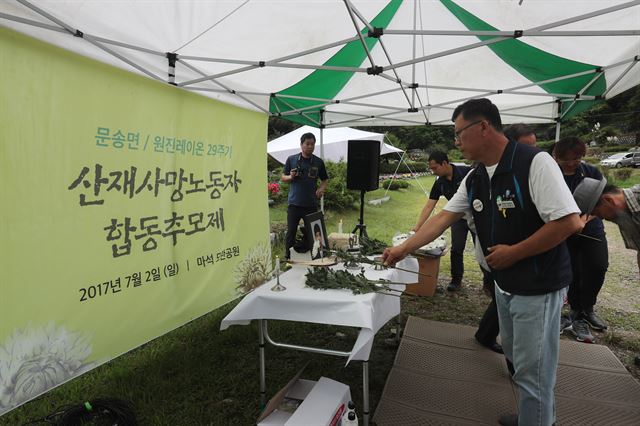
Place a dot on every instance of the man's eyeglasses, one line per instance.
(459, 132)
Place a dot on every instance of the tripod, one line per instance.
(361, 226)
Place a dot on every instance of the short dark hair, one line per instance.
(517, 130)
(316, 229)
(475, 109)
(569, 145)
(306, 136)
(610, 189)
(439, 157)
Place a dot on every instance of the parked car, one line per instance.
(622, 159)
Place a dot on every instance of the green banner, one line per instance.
(129, 207)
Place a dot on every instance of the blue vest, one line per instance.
(507, 215)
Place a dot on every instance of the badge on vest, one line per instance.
(477, 205)
(505, 202)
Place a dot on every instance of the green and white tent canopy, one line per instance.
(341, 63)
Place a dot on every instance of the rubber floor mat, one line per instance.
(441, 376)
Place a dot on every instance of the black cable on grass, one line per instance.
(100, 411)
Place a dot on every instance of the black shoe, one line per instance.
(565, 323)
(494, 346)
(580, 329)
(594, 321)
(512, 370)
(454, 285)
(508, 420)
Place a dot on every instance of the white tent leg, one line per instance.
(557, 131)
(395, 173)
(415, 177)
(412, 173)
(322, 153)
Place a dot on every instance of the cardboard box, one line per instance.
(426, 286)
(339, 241)
(306, 402)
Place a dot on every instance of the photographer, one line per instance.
(301, 172)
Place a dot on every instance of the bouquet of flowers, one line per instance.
(273, 189)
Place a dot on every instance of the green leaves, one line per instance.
(325, 279)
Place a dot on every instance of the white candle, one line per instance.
(340, 227)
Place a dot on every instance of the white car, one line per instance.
(622, 159)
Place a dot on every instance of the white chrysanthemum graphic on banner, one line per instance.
(254, 269)
(33, 360)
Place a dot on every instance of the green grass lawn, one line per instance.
(198, 375)
(634, 179)
(399, 214)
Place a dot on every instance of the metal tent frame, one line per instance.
(416, 94)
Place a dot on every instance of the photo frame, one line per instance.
(316, 234)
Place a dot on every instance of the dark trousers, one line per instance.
(489, 327)
(459, 231)
(294, 214)
(589, 263)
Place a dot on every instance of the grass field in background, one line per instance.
(634, 179)
(399, 214)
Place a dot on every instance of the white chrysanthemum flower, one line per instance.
(34, 360)
(254, 269)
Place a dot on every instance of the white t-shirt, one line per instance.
(547, 187)
(548, 190)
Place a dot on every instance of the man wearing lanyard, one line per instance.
(301, 172)
(523, 211)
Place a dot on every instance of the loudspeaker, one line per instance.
(363, 165)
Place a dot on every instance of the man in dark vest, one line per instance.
(523, 212)
(302, 171)
(449, 178)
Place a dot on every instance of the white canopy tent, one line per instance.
(337, 63)
(334, 143)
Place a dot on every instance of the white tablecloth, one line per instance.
(369, 312)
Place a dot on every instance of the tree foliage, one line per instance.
(616, 116)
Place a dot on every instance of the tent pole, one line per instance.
(225, 87)
(77, 33)
(172, 57)
(584, 89)
(348, 4)
(611, 86)
(525, 33)
(413, 55)
(395, 172)
(557, 130)
(415, 176)
(322, 152)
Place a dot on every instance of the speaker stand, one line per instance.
(361, 226)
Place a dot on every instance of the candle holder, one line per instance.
(378, 266)
(354, 251)
(278, 286)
